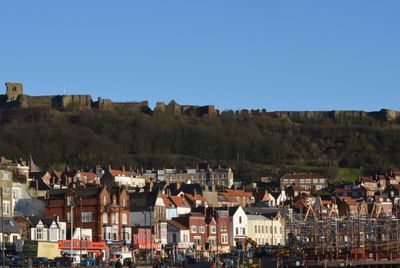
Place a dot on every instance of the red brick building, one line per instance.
(103, 211)
(196, 223)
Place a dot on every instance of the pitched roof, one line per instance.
(39, 184)
(9, 226)
(238, 193)
(232, 210)
(167, 202)
(178, 201)
(178, 225)
(222, 197)
(142, 200)
(89, 176)
(194, 198)
(80, 191)
(47, 221)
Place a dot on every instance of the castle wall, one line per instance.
(131, 106)
(76, 102)
(14, 98)
(26, 101)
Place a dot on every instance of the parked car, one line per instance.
(88, 261)
(15, 261)
(61, 261)
(41, 262)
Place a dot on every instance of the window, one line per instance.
(113, 217)
(6, 176)
(270, 229)
(212, 242)
(114, 200)
(224, 238)
(302, 180)
(308, 181)
(53, 234)
(173, 238)
(202, 229)
(15, 193)
(197, 240)
(6, 207)
(262, 229)
(275, 230)
(87, 216)
(193, 229)
(124, 202)
(70, 200)
(6, 191)
(68, 216)
(104, 200)
(124, 219)
(39, 234)
(243, 231)
(105, 217)
(185, 238)
(237, 230)
(240, 219)
(315, 181)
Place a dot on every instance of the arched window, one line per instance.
(105, 217)
(124, 219)
(104, 200)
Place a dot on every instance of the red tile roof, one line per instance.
(167, 202)
(223, 197)
(89, 176)
(178, 201)
(194, 198)
(238, 193)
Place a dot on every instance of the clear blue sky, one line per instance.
(278, 55)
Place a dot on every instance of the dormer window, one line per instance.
(114, 200)
(104, 200)
(70, 200)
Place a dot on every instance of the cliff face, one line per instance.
(15, 98)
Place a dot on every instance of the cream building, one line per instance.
(266, 228)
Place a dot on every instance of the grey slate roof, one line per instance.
(10, 226)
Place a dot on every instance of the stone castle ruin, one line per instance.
(15, 98)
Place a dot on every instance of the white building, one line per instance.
(238, 226)
(48, 229)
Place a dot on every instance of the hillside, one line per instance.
(242, 140)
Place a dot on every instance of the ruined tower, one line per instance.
(13, 91)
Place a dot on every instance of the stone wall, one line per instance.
(173, 108)
(14, 98)
(76, 102)
(131, 106)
